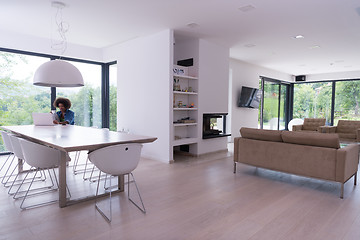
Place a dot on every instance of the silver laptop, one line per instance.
(43, 119)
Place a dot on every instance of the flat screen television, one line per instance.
(249, 97)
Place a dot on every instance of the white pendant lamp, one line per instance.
(58, 73)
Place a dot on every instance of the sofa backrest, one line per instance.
(261, 134)
(330, 140)
(311, 124)
(347, 126)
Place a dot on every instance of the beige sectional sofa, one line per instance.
(308, 154)
(310, 124)
(348, 130)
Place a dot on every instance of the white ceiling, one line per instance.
(262, 35)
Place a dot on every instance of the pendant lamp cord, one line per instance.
(62, 28)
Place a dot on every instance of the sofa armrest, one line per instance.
(347, 160)
(327, 129)
(236, 149)
(297, 127)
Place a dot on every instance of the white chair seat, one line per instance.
(117, 160)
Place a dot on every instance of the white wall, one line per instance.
(245, 74)
(144, 68)
(333, 76)
(213, 89)
(41, 45)
(185, 49)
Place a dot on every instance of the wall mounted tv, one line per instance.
(249, 97)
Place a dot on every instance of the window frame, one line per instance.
(333, 94)
(105, 85)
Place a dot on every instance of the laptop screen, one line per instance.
(43, 119)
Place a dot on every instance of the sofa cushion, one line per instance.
(330, 140)
(261, 134)
(347, 135)
(347, 126)
(312, 124)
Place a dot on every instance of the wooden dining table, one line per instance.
(69, 138)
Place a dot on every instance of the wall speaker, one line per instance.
(300, 78)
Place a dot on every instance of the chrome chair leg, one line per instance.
(17, 191)
(7, 170)
(21, 206)
(11, 174)
(85, 170)
(76, 161)
(21, 182)
(92, 171)
(4, 164)
(137, 189)
(28, 190)
(108, 219)
(51, 187)
(91, 175)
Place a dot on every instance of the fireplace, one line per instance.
(214, 125)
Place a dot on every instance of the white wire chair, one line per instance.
(19, 154)
(8, 146)
(40, 157)
(117, 160)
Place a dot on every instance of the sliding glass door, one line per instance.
(271, 105)
(274, 107)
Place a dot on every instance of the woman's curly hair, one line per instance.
(66, 102)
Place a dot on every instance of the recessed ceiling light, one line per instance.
(246, 8)
(298, 37)
(314, 47)
(249, 45)
(192, 25)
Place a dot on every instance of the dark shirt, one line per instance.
(68, 116)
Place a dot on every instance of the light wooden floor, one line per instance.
(200, 198)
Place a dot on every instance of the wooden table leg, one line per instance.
(121, 183)
(62, 180)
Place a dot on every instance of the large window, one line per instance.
(113, 98)
(19, 97)
(319, 100)
(347, 101)
(85, 101)
(313, 100)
